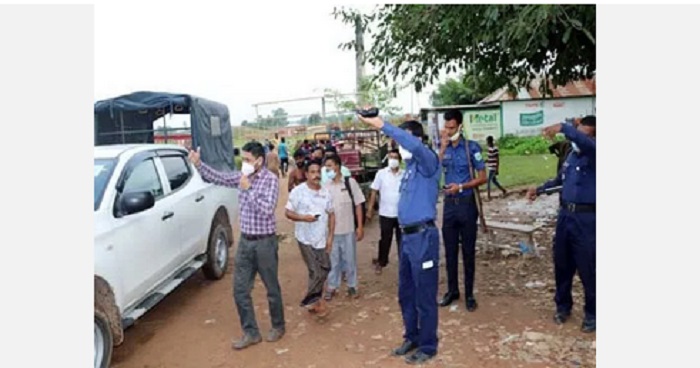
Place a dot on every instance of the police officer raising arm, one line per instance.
(575, 237)
(420, 251)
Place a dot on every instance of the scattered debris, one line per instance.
(535, 284)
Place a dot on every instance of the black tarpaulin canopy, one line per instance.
(129, 119)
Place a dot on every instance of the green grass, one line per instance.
(524, 170)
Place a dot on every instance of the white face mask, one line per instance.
(455, 137)
(331, 175)
(406, 155)
(247, 169)
(393, 163)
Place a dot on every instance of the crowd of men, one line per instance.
(326, 205)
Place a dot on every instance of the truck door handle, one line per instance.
(167, 215)
(199, 199)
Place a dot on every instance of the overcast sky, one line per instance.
(227, 53)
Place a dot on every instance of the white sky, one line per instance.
(228, 53)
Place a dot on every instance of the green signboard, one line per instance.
(532, 119)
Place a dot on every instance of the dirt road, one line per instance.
(193, 327)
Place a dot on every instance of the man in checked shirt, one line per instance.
(257, 247)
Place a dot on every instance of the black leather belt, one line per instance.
(252, 237)
(576, 207)
(458, 200)
(412, 229)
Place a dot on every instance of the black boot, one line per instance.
(404, 349)
(448, 298)
(561, 317)
(588, 325)
(472, 304)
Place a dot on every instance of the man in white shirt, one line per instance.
(310, 206)
(387, 183)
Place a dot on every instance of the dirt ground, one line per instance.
(193, 327)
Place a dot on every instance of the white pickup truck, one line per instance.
(156, 223)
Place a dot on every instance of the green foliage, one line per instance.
(370, 91)
(468, 89)
(507, 44)
(453, 92)
(512, 145)
(277, 119)
(314, 118)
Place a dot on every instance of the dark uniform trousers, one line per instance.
(574, 250)
(459, 225)
(418, 280)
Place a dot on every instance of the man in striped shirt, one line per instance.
(492, 164)
(257, 247)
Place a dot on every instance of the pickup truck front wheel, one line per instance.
(217, 250)
(103, 341)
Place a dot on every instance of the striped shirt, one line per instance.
(492, 161)
(257, 204)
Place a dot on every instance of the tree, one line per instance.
(464, 90)
(279, 117)
(452, 92)
(244, 123)
(314, 118)
(381, 98)
(370, 91)
(506, 44)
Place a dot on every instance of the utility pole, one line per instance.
(359, 58)
(359, 61)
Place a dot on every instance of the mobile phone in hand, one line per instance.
(373, 112)
(316, 216)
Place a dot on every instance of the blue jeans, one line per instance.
(343, 259)
(492, 178)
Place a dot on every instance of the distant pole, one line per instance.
(359, 62)
(359, 58)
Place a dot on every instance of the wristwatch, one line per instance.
(460, 187)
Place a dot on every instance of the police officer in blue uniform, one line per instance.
(574, 240)
(460, 213)
(420, 241)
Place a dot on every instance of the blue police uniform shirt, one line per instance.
(419, 186)
(577, 174)
(456, 167)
